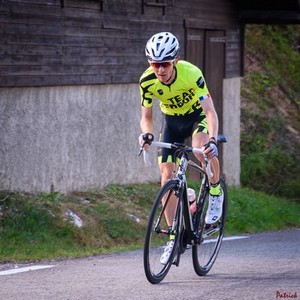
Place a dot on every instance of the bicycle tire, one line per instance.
(205, 252)
(157, 235)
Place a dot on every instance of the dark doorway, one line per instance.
(206, 49)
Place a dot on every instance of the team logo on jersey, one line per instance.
(200, 82)
(160, 91)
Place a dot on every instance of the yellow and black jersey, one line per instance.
(181, 97)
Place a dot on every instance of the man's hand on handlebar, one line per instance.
(211, 148)
(145, 140)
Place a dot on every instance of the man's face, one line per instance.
(163, 70)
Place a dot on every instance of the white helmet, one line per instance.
(162, 46)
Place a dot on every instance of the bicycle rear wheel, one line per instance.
(206, 250)
(158, 234)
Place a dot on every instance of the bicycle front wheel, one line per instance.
(206, 250)
(158, 233)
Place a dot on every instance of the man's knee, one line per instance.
(166, 170)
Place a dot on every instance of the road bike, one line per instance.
(189, 230)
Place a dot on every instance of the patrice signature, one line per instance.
(285, 295)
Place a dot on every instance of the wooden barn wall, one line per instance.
(78, 42)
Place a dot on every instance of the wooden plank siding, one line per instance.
(74, 42)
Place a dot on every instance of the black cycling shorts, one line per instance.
(179, 128)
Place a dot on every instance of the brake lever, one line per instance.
(141, 149)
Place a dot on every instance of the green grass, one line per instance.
(270, 150)
(277, 47)
(250, 211)
(34, 227)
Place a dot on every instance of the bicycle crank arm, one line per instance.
(177, 259)
(211, 232)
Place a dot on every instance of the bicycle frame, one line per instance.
(189, 227)
(180, 175)
(182, 183)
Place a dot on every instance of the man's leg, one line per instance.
(166, 170)
(215, 193)
(198, 141)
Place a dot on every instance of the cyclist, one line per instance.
(188, 111)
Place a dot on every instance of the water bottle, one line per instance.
(192, 197)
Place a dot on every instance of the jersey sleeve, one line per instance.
(146, 83)
(201, 87)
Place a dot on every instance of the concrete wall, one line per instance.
(71, 138)
(231, 128)
(85, 137)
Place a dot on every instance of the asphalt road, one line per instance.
(261, 266)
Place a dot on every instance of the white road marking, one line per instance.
(229, 238)
(237, 237)
(25, 269)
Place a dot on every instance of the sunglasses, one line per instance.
(165, 64)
